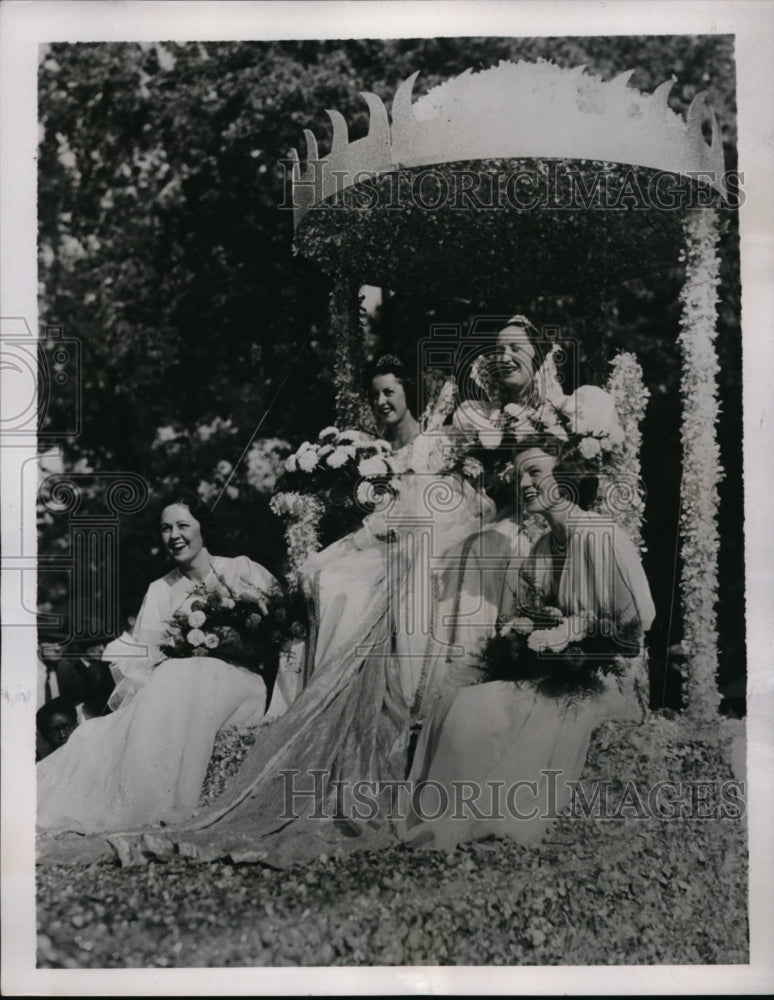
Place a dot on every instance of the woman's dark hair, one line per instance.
(389, 364)
(198, 509)
(534, 336)
(575, 477)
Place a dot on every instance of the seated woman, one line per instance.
(145, 763)
(381, 575)
(529, 735)
(351, 723)
(518, 383)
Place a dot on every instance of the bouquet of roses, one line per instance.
(246, 628)
(329, 486)
(564, 654)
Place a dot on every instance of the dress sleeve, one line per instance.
(606, 576)
(469, 418)
(133, 656)
(255, 574)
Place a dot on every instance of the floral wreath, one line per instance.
(587, 420)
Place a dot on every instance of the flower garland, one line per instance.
(701, 461)
(303, 515)
(621, 493)
(327, 488)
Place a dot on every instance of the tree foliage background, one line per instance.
(164, 251)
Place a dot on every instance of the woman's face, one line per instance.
(538, 490)
(181, 533)
(388, 399)
(515, 359)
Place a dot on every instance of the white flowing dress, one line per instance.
(351, 722)
(498, 758)
(145, 763)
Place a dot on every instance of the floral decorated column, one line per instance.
(701, 462)
(345, 311)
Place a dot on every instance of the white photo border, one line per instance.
(23, 26)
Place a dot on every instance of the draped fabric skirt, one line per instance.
(145, 764)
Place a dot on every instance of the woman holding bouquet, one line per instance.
(193, 666)
(292, 798)
(374, 586)
(528, 735)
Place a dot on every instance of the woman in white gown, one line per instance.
(514, 735)
(145, 763)
(351, 723)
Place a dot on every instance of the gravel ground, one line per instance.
(599, 891)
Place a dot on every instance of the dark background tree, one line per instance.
(164, 251)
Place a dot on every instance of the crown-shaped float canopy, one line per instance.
(512, 181)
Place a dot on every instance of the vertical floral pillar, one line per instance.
(701, 461)
(621, 482)
(345, 308)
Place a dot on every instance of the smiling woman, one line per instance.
(532, 735)
(175, 689)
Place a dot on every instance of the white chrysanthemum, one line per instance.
(551, 640)
(228, 603)
(291, 463)
(364, 494)
(328, 432)
(352, 437)
(373, 467)
(307, 460)
(224, 468)
(590, 448)
(196, 619)
(195, 637)
(522, 626)
(337, 458)
(211, 640)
